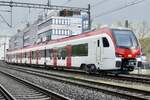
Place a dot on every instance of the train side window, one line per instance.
(25, 55)
(97, 43)
(47, 53)
(50, 53)
(64, 53)
(32, 54)
(105, 42)
(59, 53)
(44, 53)
(80, 50)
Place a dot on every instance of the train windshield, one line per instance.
(125, 38)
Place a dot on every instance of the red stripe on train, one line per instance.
(69, 50)
(54, 57)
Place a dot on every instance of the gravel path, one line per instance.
(21, 91)
(71, 91)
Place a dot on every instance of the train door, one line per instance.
(98, 53)
(55, 57)
(69, 53)
(37, 57)
(107, 53)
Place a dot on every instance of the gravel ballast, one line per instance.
(68, 90)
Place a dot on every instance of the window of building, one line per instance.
(50, 21)
(59, 21)
(53, 21)
(63, 21)
(66, 21)
(65, 32)
(105, 42)
(80, 50)
(59, 31)
(56, 21)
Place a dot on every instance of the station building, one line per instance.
(60, 24)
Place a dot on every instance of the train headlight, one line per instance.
(129, 55)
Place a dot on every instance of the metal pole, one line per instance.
(11, 14)
(49, 3)
(4, 50)
(126, 23)
(89, 16)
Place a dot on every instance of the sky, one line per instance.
(135, 13)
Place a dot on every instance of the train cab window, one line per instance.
(105, 42)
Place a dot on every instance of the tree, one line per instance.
(142, 29)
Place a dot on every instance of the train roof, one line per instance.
(85, 34)
(116, 28)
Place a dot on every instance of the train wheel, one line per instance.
(85, 68)
(92, 68)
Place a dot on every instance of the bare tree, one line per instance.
(142, 29)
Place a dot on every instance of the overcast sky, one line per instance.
(135, 13)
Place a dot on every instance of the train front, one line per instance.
(128, 51)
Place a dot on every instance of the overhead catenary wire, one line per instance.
(120, 8)
(5, 20)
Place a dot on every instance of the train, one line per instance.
(108, 50)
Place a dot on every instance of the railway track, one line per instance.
(24, 90)
(113, 89)
(4, 94)
(144, 79)
(130, 78)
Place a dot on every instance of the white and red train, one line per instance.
(105, 50)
